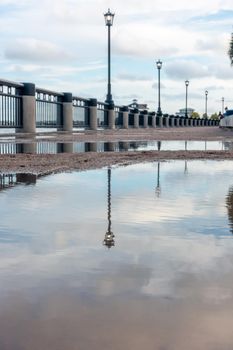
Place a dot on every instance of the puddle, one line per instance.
(122, 258)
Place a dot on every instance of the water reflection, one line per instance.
(109, 236)
(76, 147)
(158, 188)
(168, 285)
(10, 180)
(229, 203)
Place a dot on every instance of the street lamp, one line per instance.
(108, 16)
(159, 67)
(222, 105)
(186, 98)
(206, 95)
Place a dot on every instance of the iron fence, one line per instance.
(10, 104)
(49, 109)
(118, 117)
(102, 115)
(81, 118)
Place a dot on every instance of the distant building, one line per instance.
(182, 112)
(137, 105)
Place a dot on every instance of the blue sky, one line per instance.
(62, 45)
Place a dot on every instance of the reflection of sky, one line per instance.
(172, 259)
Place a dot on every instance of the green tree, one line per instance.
(195, 115)
(230, 51)
(214, 116)
(205, 116)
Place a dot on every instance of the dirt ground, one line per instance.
(41, 164)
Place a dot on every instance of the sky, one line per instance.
(62, 45)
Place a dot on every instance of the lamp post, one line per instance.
(159, 67)
(186, 98)
(206, 96)
(108, 16)
(222, 105)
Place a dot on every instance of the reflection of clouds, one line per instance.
(167, 285)
(128, 278)
(61, 320)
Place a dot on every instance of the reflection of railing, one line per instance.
(7, 180)
(10, 105)
(48, 109)
(53, 147)
(10, 180)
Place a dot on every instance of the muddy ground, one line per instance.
(42, 164)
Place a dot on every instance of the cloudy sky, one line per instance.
(62, 45)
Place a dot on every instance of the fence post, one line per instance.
(172, 121)
(67, 108)
(160, 122)
(111, 116)
(125, 113)
(145, 119)
(29, 147)
(92, 105)
(29, 108)
(153, 120)
(136, 118)
(167, 121)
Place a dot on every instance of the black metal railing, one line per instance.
(81, 117)
(118, 117)
(49, 109)
(10, 104)
(102, 115)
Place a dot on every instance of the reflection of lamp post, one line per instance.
(108, 16)
(109, 236)
(186, 167)
(159, 67)
(222, 105)
(206, 96)
(158, 188)
(186, 98)
(159, 143)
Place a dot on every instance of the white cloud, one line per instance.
(191, 38)
(33, 50)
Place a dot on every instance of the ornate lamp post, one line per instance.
(108, 16)
(186, 98)
(159, 67)
(206, 96)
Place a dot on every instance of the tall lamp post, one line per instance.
(222, 105)
(186, 98)
(206, 97)
(159, 67)
(109, 16)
